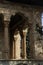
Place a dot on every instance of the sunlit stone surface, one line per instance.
(17, 41)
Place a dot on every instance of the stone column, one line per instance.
(6, 40)
(16, 46)
(24, 43)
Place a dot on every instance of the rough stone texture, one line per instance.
(32, 13)
(18, 50)
(21, 62)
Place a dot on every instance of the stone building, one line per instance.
(21, 32)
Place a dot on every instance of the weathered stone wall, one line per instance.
(32, 13)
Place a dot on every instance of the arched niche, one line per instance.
(1, 35)
(18, 22)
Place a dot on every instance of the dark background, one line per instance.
(30, 2)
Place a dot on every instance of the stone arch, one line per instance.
(18, 22)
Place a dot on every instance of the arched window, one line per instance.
(15, 22)
(18, 22)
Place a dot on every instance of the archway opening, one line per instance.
(15, 21)
(17, 27)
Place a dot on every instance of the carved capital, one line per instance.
(25, 31)
(6, 23)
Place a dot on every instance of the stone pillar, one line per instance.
(6, 40)
(16, 46)
(24, 43)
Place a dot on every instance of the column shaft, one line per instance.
(6, 40)
(24, 46)
(14, 50)
(24, 43)
(17, 46)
